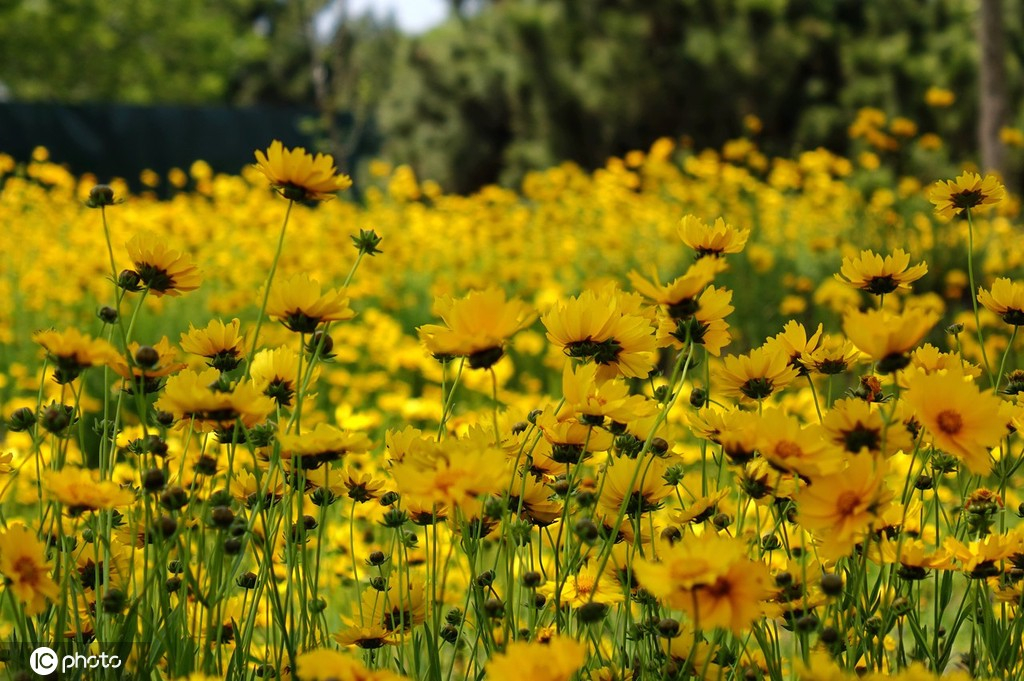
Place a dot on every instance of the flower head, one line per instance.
(161, 270)
(713, 240)
(960, 419)
(220, 343)
(970, 190)
(23, 562)
(477, 326)
(72, 352)
(301, 304)
(79, 491)
(879, 276)
(300, 176)
(1006, 299)
(756, 375)
(887, 337)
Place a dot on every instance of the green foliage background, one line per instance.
(522, 84)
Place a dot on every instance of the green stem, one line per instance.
(266, 290)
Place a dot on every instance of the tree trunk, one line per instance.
(992, 71)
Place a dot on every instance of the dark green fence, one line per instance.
(112, 140)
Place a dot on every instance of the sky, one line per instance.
(412, 16)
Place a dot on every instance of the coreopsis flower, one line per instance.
(794, 342)
(959, 418)
(756, 375)
(23, 563)
(323, 444)
(690, 651)
(832, 356)
(162, 271)
(789, 446)
(711, 240)
(707, 326)
(571, 439)
(532, 501)
(150, 364)
(276, 374)
(871, 273)
(556, 660)
(367, 637)
(300, 176)
(301, 304)
(939, 97)
(928, 359)
(970, 190)
(1006, 299)
(594, 328)
(679, 296)
(78, 490)
(980, 558)
(914, 556)
(839, 508)
(209, 403)
(637, 484)
(223, 345)
(477, 326)
(400, 608)
(584, 587)
(324, 664)
(711, 579)
(594, 400)
(456, 478)
(858, 427)
(887, 337)
(72, 352)
(700, 509)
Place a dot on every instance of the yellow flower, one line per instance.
(794, 343)
(585, 587)
(710, 578)
(648, 488)
(477, 326)
(23, 562)
(72, 352)
(879, 276)
(679, 296)
(840, 507)
(163, 271)
(211, 403)
(298, 175)
(887, 337)
(276, 374)
(756, 375)
(788, 446)
(1006, 299)
(366, 637)
(594, 400)
(707, 326)
(952, 197)
(222, 344)
(324, 444)
(939, 97)
(555, 660)
(301, 305)
(79, 491)
(858, 428)
(594, 328)
(960, 419)
(833, 356)
(165, 362)
(712, 240)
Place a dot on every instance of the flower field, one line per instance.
(692, 415)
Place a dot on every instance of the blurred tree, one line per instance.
(182, 51)
(522, 84)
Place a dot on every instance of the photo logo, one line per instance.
(43, 661)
